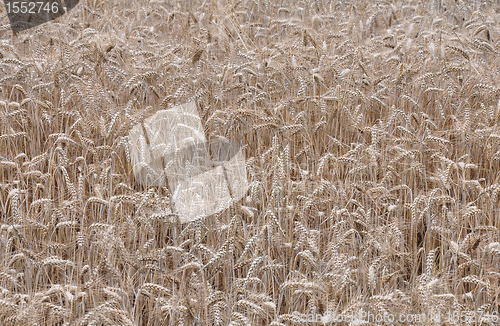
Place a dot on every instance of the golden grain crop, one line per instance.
(372, 146)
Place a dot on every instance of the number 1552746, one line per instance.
(31, 7)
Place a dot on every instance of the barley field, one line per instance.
(372, 146)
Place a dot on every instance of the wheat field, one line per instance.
(372, 145)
